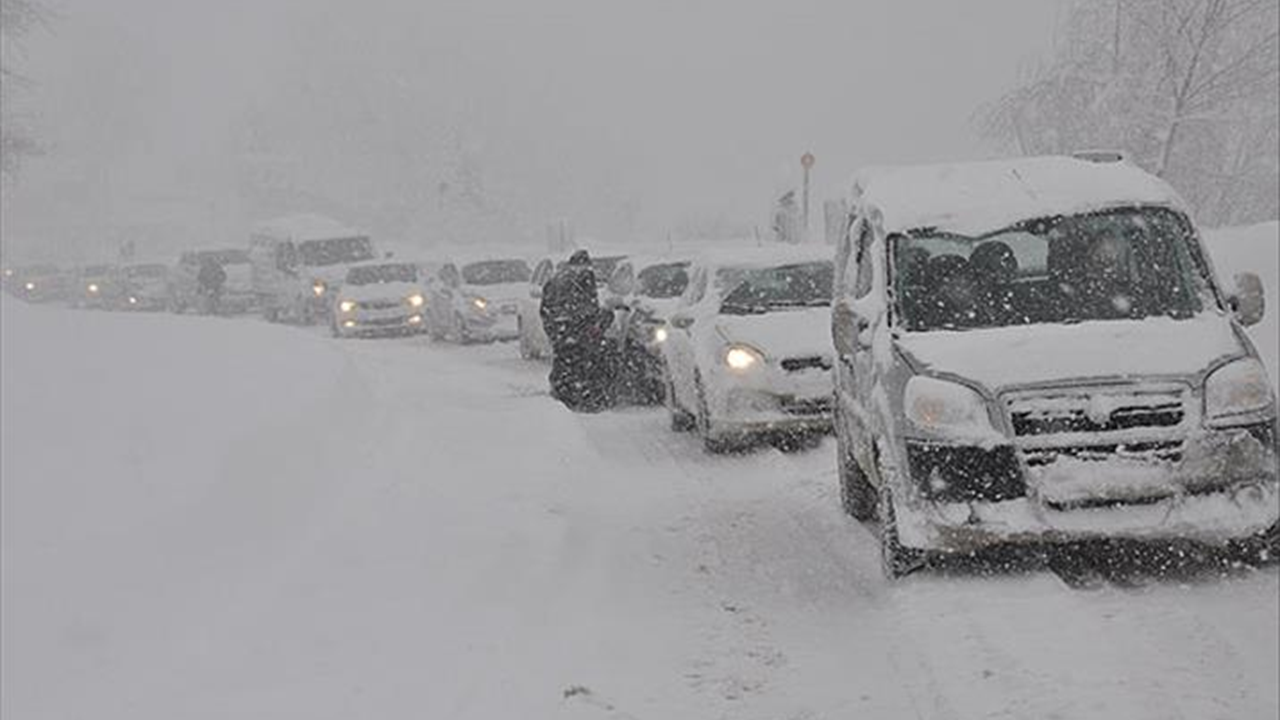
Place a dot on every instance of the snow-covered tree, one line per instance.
(1188, 88)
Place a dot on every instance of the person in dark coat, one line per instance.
(210, 279)
(582, 369)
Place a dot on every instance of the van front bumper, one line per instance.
(1222, 486)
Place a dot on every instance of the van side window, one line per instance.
(844, 258)
(863, 261)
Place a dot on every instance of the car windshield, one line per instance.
(496, 272)
(223, 257)
(390, 273)
(663, 281)
(1123, 264)
(759, 290)
(147, 271)
(318, 253)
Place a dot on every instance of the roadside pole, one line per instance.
(806, 162)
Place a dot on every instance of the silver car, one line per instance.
(1039, 350)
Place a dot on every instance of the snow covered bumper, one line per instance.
(1211, 486)
(795, 395)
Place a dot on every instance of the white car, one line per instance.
(644, 298)
(534, 344)
(477, 301)
(748, 351)
(146, 287)
(380, 298)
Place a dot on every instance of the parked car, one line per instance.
(1038, 350)
(237, 292)
(748, 354)
(145, 287)
(37, 283)
(98, 287)
(477, 301)
(534, 344)
(299, 262)
(645, 298)
(380, 298)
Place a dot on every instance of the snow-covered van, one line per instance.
(299, 263)
(1039, 350)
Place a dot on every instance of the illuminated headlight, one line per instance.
(347, 306)
(8, 272)
(415, 319)
(480, 303)
(416, 300)
(30, 286)
(1236, 393)
(133, 301)
(93, 288)
(660, 334)
(742, 358)
(939, 405)
(318, 287)
(348, 323)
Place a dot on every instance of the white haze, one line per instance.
(633, 121)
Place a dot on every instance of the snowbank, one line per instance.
(1256, 249)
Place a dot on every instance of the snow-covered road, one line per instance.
(221, 519)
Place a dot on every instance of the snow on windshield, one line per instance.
(1124, 264)
(787, 286)
(390, 273)
(663, 281)
(496, 272)
(318, 253)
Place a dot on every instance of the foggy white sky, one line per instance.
(627, 117)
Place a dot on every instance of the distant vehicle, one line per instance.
(380, 298)
(98, 287)
(534, 344)
(299, 263)
(237, 293)
(644, 300)
(748, 351)
(477, 301)
(145, 287)
(1038, 350)
(37, 283)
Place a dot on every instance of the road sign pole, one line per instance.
(806, 162)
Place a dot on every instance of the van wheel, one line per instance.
(857, 494)
(1261, 549)
(710, 443)
(896, 560)
(681, 420)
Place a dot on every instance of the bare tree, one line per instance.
(17, 19)
(1187, 87)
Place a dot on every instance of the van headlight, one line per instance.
(943, 406)
(741, 358)
(93, 288)
(660, 334)
(479, 303)
(347, 306)
(318, 287)
(1237, 393)
(416, 300)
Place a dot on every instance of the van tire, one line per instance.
(681, 420)
(896, 560)
(710, 443)
(857, 495)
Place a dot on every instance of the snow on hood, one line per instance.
(381, 291)
(499, 291)
(1025, 354)
(333, 275)
(785, 333)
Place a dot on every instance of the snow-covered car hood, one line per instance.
(332, 275)
(499, 292)
(781, 334)
(1026, 354)
(381, 291)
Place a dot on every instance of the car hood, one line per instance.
(381, 291)
(333, 275)
(802, 332)
(1029, 354)
(660, 308)
(501, 291)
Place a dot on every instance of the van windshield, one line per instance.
(1123, 264)
(318, 253)
(389, 273)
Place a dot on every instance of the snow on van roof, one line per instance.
(970, 198)
(773, 253)
(303, 227)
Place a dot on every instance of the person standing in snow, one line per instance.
(210, 280)
(582, 370)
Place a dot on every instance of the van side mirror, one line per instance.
(1249, 301)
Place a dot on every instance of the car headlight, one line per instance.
(416, 300)
(30, 286)
(133, 300)
(1238, 392)
(741, 358)
(480, 303)
(93, 288)
(8, 272)
(318, 287)
(347, 306)
(660, 334)
(939, 405)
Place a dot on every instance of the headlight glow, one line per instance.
(30, 286)
(318, 287)
(416, 300)
(133, 301)
(660, 334)
(933, 404)
(480, 303)
(347, 306)
(742, 358)
(93, 288)
(349, 323)
(1237, 392)
(8, 272)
